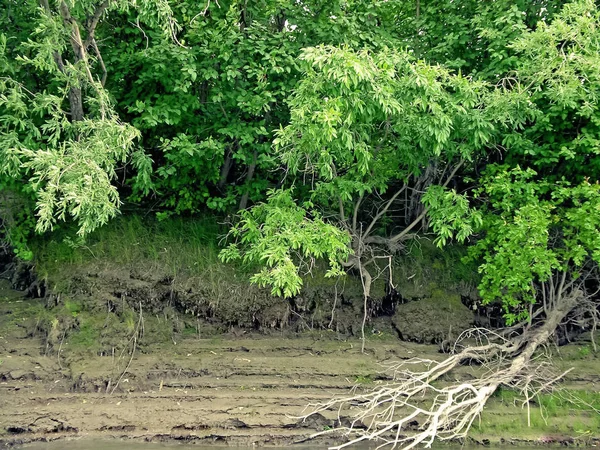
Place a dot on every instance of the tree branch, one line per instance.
(76, 42)
(56, 55)
(355, 214)
(92, 22)
(101, 61)
(342, 214)
(384, 210)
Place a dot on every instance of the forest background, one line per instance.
(339, 130)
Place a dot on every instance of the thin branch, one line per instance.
(137, 25)
(101, 61)
(365, 278)
(403, 234)
(383, 210)
(342, 214)
(355, 213)
(562, 284)
(92, 22)
(134, 338)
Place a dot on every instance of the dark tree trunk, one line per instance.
(249, 176)
(75, 92)
(226, 167)
(76, 104)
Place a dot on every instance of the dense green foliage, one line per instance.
(281, 234)
(531, 231)
(339, 129)
(62, 140)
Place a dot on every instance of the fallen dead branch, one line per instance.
(421, 405)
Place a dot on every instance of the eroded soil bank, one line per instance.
(227, 389)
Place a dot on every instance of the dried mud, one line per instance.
(245, 390)
(235, 390)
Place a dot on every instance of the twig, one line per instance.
(134, 338)
(59, 349)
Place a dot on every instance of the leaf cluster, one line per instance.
(285, 240)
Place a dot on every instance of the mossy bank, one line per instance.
(170, 271)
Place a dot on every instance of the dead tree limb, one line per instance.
(445, 410)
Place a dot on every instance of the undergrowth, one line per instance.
(181, 254)
(423, 268)
(176, 244)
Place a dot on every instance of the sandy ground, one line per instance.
(238, 392)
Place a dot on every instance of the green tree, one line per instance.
(535, 213)
(471, 36)
(364, 126)
(538, 240)
(208, 112)
(534, 232)
(559, 63)
(61, 138)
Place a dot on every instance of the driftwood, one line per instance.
(420, 404)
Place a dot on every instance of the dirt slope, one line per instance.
(240, 390)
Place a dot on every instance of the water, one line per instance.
(129, 445)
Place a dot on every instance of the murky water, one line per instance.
(128, 445)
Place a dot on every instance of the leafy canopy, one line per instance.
(530, 230)
(536, 217)
(360, 123)
(62, 140)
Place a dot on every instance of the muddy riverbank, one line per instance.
(235, 389)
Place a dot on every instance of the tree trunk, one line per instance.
(76, 104)
(75, 91)
(226, 167)
(249, 176)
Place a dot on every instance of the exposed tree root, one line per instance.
(420, 406)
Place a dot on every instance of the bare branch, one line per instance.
(101, 61)
(446, 410)
(355, 214)
(366, 279)
(383, 210)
